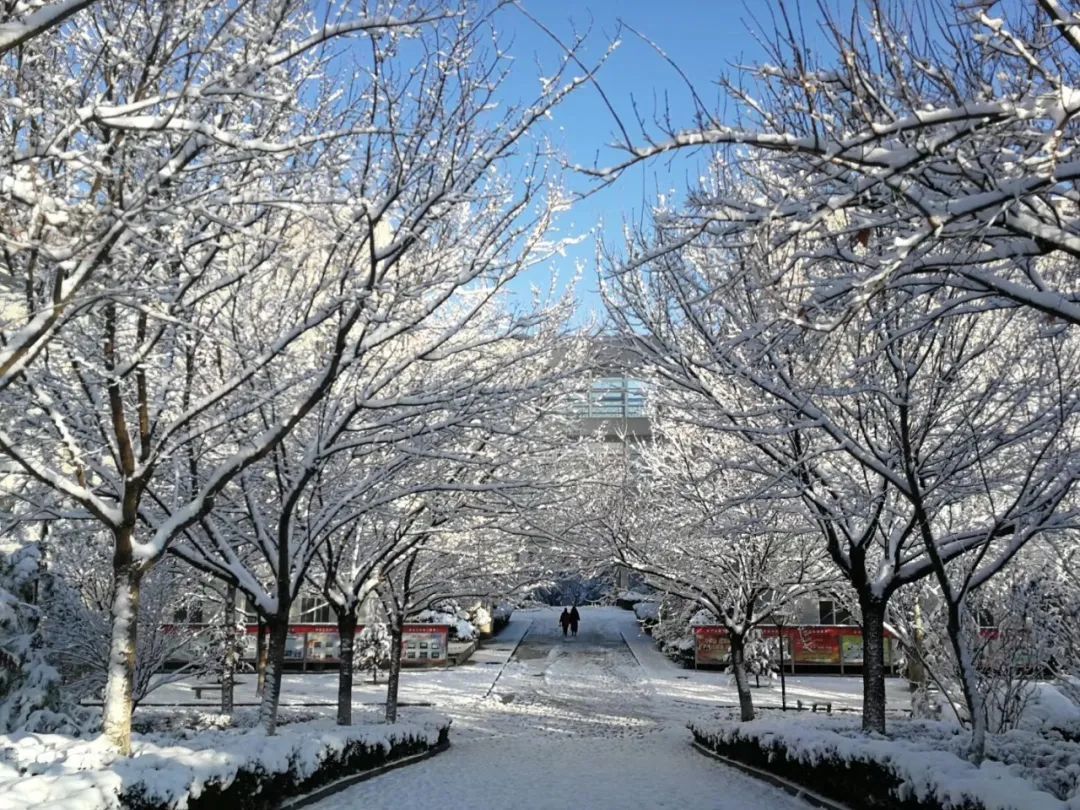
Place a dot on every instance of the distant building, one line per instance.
(613, 403)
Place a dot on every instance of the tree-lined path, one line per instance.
(569, 723)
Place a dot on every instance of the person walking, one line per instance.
(564, 620)
(575, 617)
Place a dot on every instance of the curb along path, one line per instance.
(509, 658)
(796, 790)
(348, 781)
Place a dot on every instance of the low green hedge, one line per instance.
(255, 788)
(870, 772)
(214, 769)
(859, 785)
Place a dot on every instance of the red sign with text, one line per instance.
(826, 645)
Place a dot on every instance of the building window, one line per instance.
(314, 610)
(612, 398)
(189, 613)
(832, 612)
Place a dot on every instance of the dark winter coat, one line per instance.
(565, 619)
(575, 617)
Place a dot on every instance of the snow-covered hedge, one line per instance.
(241, 769)
(185, 722)
(918, 767)
(672, 632)
(627, 599)
(703, 618)
(500, 616)
(481, 618)
(647, 612)
(465, 623)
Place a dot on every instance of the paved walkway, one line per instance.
(569, 723)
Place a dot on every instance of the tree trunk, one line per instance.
(260, 658)
(346, 623)
(229, 660)
(969, 684)
(394, 678)
(916, 669)
(742, 683)
(116, 713)
(873, 672)
(278, 631)
(783, 681)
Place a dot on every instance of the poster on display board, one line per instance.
(294, 646)
(311, 643)
(771, 633)
(711, 646)
(322, 645)
(816, 645)
(851, 648)
(425, 644)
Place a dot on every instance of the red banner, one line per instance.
(824, 645)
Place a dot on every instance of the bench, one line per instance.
(825, 706)
(209, 686)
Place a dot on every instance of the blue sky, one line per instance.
(706, 39)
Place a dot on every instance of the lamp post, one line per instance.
(779, 618)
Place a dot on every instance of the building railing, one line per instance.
(611, 398)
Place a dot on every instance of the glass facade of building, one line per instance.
(612, 398)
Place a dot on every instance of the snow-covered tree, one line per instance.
(22, 21)
(172, 144)
(924, 439)
(1060, 612)
(31, 696)
(696, 523)
(464, 446)
(1019, 627)
(373, 649)
(759, 656)
(454, 555)
(233, 215)
(910, 147)
(220, 647)
(672, 632)
(926, 158)
(77, 621)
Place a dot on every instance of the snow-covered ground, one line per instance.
(594, 721)
(692, 689)
(712, 689)
(542, 721)
(570, 723)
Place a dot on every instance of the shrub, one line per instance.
(869, 772)
(246, 770)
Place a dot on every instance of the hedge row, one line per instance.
(241, 769)
(869, 773)
(254, 787)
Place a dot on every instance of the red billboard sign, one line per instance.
(822, 645)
